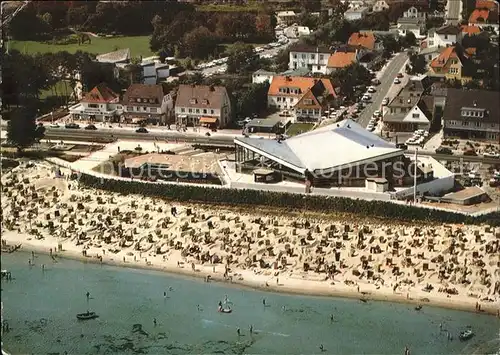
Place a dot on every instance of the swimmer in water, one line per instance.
(264, 301)
(331, 318)
(154, 321)
(321, 347)
(251, 329)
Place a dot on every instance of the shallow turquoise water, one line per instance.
(41, 306)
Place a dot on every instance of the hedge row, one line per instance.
(324, 204)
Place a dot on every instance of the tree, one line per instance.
(310, 5)
(408, 41)
(391, 45)
(281, 60)
(22, 130)
(242, 58)
(252, 100)
(199, 43)
(417, 65)
(351, 80)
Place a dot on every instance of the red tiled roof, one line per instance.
(365, 40)
(303, 103)
(444, 57)
(341, 59)
(479, 16)
(471, 30)
(297, 82)
(100, 94)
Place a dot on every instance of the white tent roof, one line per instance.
(332, 147)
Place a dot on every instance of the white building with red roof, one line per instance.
(99, 104)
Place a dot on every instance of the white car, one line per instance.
(366, 97)
(370, 127)
(371, 89)
(397, 81)
(54, 125)
(385, 101)
(491, 155)
(377, 113)
(259, 49)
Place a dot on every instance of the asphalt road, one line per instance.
(227, 141)
(100, 135)
(393, 68)
(453, 11)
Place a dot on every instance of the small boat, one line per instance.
(87, 315)
(224, 310)
(466, 334)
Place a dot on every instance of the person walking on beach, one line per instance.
(164, 294)
(264, 302)
(238, 331)
(331, 318)
(321, 347)
(251, 329)
(88, 295)
(440, 326)
(154, 321)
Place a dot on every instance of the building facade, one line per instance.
(472, 114)
(202, 105)
(313, 58)
(143, 102)
(101, 104)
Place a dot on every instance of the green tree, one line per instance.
(417, 65)
(252, 100)
(351, 80)
(391, 45)
(408, 41)
(242, 58)
(280, 61)
(199, 43)
(22, 130)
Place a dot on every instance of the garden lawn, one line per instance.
(298, 128)
(61, 88)
(139, 46)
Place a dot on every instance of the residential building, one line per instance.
(355, 14)
(202, 105)
(261, 76)
(341, 59)
(313, 58)
(380, 5)
(153, 71)
(431, 53)
(415, 13)
(485, 19)
(365, 41)
(487, 4)
(296, 31)
(99, 104)
(286, 17)
(472, 114)
(445, 36)
(121, 56)
(448, 65)
(305, 97)
(407, 111)
(143, 102)
(410, 24)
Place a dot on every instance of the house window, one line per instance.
(478, 124)
(445, 36)
(303, 56)
(312, 56)
(321, 57)
(192, 101)
(183, 109)
(153, 109)
(278, 99)
(212, 112)
(416, 115)
(190, 110)
(93, 106)
(295, 56)
(197, 110)
(204, 110)
(308, 101)
(144, 108)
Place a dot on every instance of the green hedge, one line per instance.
(316, 203)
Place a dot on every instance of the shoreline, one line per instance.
(319, 289)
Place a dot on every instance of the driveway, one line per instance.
(395, 66)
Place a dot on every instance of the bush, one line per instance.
(324, 204)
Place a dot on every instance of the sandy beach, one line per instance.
(452, 266)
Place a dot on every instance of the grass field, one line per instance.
(139, 45)
(298, 128)
(60, 87)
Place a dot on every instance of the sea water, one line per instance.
(41, 306)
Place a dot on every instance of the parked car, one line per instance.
(385, 101)
(370, 127)
(377, 114)
(470, 152)
(141, 130)
(91, 127)
(400, 75)
(72, 125)
(54, 125)
(371, 90)
(491, 155)
(444, 150)
(401, 146)
(376, 82)
(397, 81)
(366, 97)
